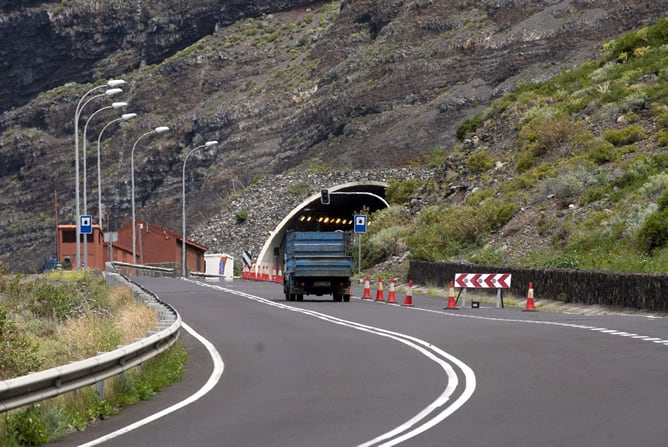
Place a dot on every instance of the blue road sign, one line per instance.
(86, 225)
(360, 223)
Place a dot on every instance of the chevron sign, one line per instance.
(483, 280)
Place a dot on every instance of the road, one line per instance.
(318, 373)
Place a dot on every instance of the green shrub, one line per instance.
(18, 355)
(154, 375)
(654, 233)
(541, 135)
(661, 121)
(26, 427)
(50, 301)
(480, 162)
(571, 183)
(628, 135)
(439, 233)
(382, 245)
(488, 256)
(399, 191)
(436, 158)
(569, 260)
(241, 216)
(525, 161)
(662, 137)
(468, 127)
(601, 152)
(504, 213)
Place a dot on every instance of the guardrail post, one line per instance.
(99, 385)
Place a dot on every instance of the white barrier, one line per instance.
(496, 281)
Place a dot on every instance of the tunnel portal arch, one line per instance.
(346, 200)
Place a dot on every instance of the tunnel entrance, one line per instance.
(338, 213)
(312, 215)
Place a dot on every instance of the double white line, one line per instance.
(437, 411)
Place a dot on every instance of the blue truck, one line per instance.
(317, 263)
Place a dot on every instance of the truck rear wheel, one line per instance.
(337, 297)
(346, 298)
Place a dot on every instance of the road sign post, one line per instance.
(359, 228)
(86, 225)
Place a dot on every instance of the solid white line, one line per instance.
(601, 330)
(218, 368)
(409, 428)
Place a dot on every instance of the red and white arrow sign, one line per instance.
(483, 280)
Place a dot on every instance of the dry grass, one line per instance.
(84, 337)
(134, 321)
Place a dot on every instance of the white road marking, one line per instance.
(435, 412)
(601, 330)
(214, 378)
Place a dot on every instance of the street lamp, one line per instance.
(115, 105)
(124, 117)
(132, 174)
(112, 90)
(183, 204)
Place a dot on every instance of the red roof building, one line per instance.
(155, 246)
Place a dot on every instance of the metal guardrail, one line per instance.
(52, 382)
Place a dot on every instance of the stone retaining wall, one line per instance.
(622, 289)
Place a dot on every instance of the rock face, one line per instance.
(79, 41)
(284, 85)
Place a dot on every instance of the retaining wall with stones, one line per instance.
(621, 289)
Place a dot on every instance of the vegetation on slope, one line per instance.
(568, 173)
(50, 320)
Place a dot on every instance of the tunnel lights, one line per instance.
(340, 221)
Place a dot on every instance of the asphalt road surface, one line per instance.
(363, 373)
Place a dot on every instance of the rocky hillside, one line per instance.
(285, 86)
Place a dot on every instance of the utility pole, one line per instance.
(55, 205)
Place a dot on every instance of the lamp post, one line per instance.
(124, 117)
(183, 204)
(112, 89)
(115, 105)
(132, 174)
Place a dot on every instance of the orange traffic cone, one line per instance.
(380, 296)
(391, 295)
(408, 301)
(367, 290)
(530, 306)
(452, 303)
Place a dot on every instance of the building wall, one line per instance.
(67, 246)
(156, 245)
